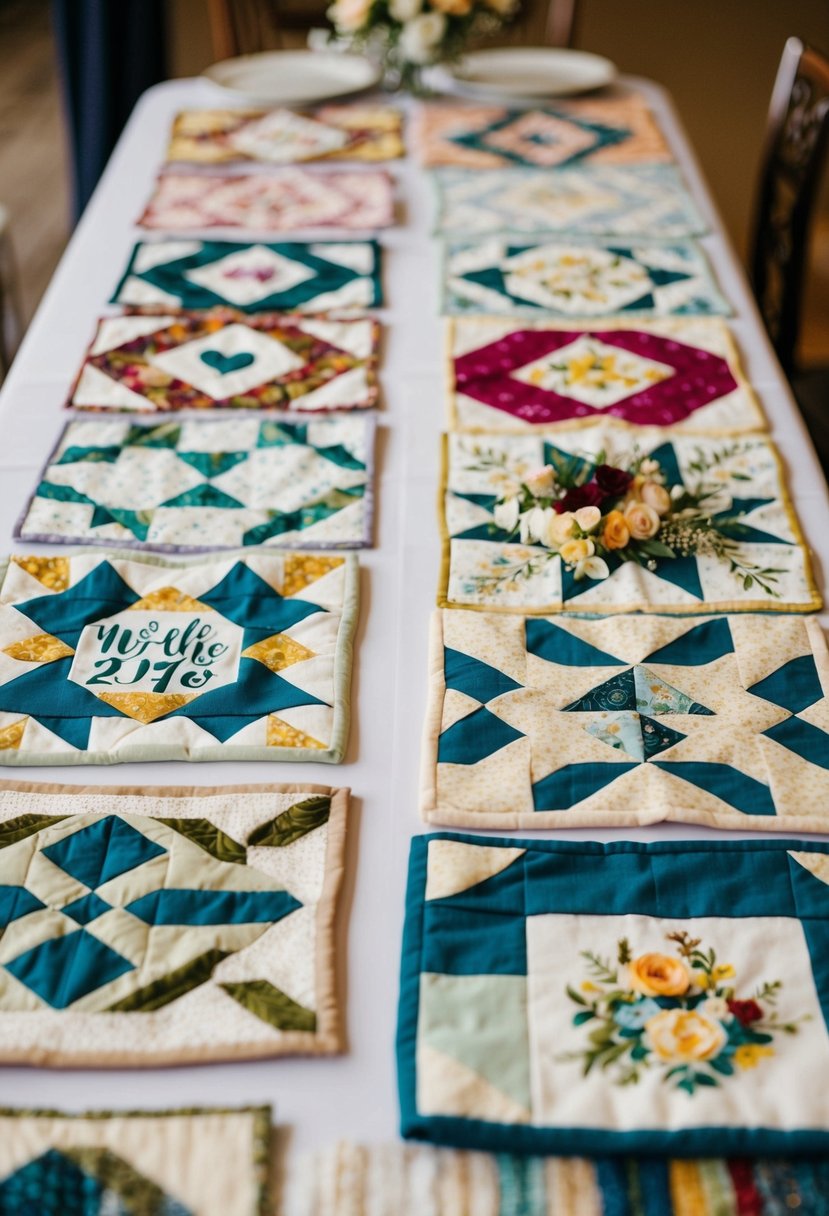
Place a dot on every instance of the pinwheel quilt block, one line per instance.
(556, 723)
(197, 485)
(114, 657)
(616, 999)
(682, 373)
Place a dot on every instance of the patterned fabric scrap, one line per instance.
(202, 1162)
(336, 132)
(283, 200)
(540, 723)
(578, 278)
(647, 201)
(289, 276)
(484, 567)
(579, 998)
(199, 485)
(418, 1180)
(683, 373)
(114, 657)
(224, 360)
(155, 925)
(594, 130)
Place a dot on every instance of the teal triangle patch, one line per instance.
(211, 464)
(204, 496)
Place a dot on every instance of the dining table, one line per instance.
(317, 1101)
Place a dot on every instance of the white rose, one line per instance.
(541, 481)
(588, 518)
(349, 15)
(716, 1007)
(420, 37)
(404, 10)
(560, 529)
(506, 514)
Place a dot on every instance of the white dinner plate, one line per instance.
(527, 73)
(293, 77)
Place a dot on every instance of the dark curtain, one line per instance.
(109, 52)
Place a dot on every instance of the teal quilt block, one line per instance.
(112, 657)
(589, 999)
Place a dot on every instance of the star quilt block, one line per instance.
(146, 926)
(576, 278)
(591, 130)
(421, 1180)
(616, 999)
(289, 276)
(282, 200)
(113, 657)
(757, 561)
(200, 1162)
(279, 137)
(649, 200)
(537, 722)
(224, 360)
(207, 484)
(683, 373)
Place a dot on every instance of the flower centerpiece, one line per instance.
(405, 36)
(679, 1014)
(597, 516)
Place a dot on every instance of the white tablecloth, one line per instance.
(355, 1095)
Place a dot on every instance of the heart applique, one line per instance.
(225, 364)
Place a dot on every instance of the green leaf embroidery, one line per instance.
(26, 825)
(299, 819)
(171, 986)
(210, 838)
(271, 1005)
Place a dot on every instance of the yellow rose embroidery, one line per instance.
(659, 975)
(680, 1036)
(750, 1054)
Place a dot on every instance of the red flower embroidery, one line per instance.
(745, 1012)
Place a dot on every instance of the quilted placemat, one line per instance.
(289, 276)
(156, 925)
(226, 360)
(679, 372)
(115, 657)
(592, 130)
(598, 520)
(200, 1162)
(649, 200)
(628, 998)
(191, 486)
(578, 278)
(336, 132)
(419, 1180)
(283, 200)
(540, 723)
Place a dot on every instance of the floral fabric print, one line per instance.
(645, 201)
(575, 277)
(590, 130)
(200, 485)
(559, 722)
(335, 132)
(683, 373)
(601, 999)
(293, 276)
(224, 360)
(108, 658)
(284, 200)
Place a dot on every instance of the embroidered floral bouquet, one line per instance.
(406, 35)
(679, 1014)
(597, 516)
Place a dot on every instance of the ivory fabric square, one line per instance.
(113, 657)
(293, 276)
(201, 1162)
(196, 485)
(421, 1180)
(627, 721)
(224, 360)
(282, 200)
(682, 373)
(580, 998)
(485, 566)
(156, 925)
(590, 130)
(645, 201)
(280, 136)
(578, 278)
